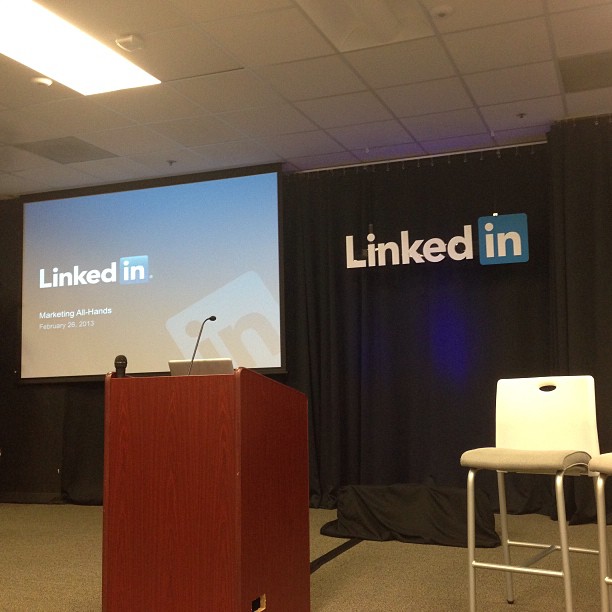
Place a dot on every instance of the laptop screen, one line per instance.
(180, 367)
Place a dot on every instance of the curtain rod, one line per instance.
(410, 159)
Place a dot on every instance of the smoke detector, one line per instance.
(130, 42)
(442, 10)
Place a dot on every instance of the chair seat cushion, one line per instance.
(531, 461)
(602, 463)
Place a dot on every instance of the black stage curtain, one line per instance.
(581, 180)
(581, 196)
(400, 362)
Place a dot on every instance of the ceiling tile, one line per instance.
(19, 126)
(180, 53)
(114, 169)
(148, 104)
(12, 185)
(269, 38)
(229, 91)
(586, 72)
(131, 141)
(56, 176)
(324, 161)
(569, 30)
(516, 83)
(347, 109)
(469, 14)
(219, 9)
(426, 98)
(171, 163)
(235, 154)
(377, 154)
(533, 133)
(555, 6)
(304, 143)
(444, 125)
(354, 25)
(195, 131)
(283, 119)
(13, 159)
(522, 114)
(312, 78)
(586, 103)
(74, 115)
(407, 62)
(461, 143)
(500, 46)
(382, 133)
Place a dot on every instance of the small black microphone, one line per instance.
(211, 318)
(120, 365)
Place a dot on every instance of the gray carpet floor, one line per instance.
(51, 561)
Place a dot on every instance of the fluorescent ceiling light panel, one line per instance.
(39, 39)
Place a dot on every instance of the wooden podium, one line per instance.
(205, 495)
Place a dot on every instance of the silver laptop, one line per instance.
(180, 367)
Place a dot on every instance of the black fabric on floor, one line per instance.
(411, 513)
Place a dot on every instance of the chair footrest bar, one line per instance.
(544, 553)
(588, 551)
(518, 569)
(608, 580)
(534, 545)
(576, 549)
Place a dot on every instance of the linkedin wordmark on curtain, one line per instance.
(502, 239)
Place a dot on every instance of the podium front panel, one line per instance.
(170, 494)
(205, 495)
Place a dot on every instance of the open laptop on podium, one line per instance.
(201, 367)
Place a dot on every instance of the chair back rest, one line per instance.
(547, 413)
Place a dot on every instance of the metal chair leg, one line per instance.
(503, 517)
(600, 498)
(471, 538)
(564, 542)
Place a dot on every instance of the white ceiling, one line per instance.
(308, 83)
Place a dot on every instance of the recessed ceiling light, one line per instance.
(39, 39)
(45, 81)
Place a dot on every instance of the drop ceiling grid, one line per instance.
(252, 81)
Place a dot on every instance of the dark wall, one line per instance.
(31, 418)
(51, 435)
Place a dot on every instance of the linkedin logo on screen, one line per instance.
(132, 270)
(502, 239)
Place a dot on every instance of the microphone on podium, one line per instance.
(211, 318)
(120, 365)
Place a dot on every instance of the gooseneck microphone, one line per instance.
(120, 365)
(211, 318)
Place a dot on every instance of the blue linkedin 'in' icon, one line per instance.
(503, 239)
(134, 269)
